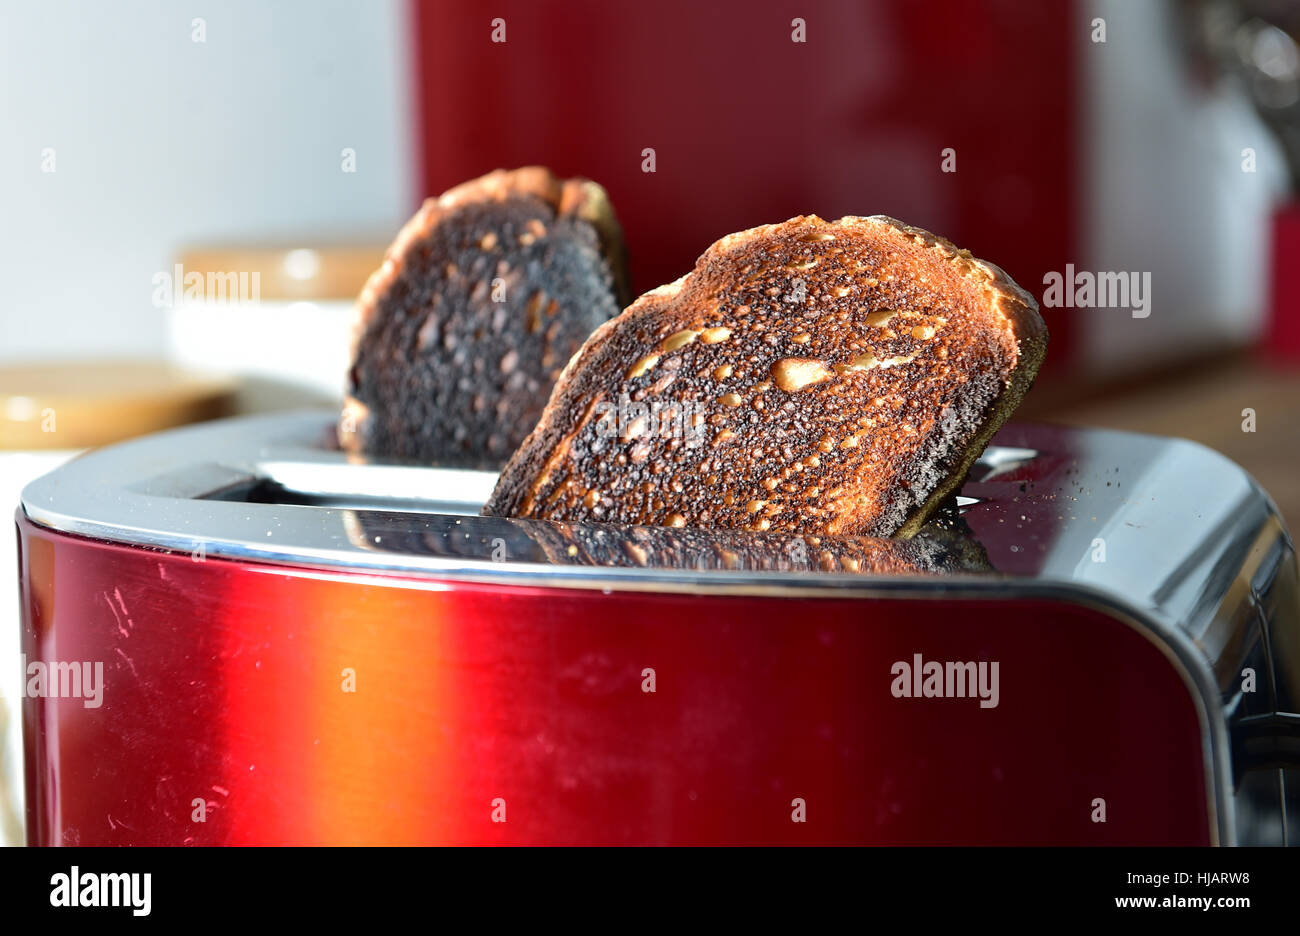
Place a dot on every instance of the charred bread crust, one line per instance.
(482, 297)
(840, 378)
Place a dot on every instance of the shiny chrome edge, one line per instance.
(151, 489)
(487, 572)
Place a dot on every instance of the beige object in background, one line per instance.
(289, 273)
(48, 414)
(82, 404)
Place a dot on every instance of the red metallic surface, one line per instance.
(1282, 340)
(224, 682)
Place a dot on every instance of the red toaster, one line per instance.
(235, 634)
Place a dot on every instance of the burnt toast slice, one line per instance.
(484, 296)
(809, 377)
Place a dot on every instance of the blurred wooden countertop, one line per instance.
(1202, 402)
(78, 404)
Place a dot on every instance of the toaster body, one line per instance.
(234, 634)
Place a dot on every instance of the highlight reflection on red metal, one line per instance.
(224, 683)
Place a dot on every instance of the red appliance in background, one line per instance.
(749, 127)
(1282, 341)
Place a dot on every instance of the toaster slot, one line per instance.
(344, 486)
(337, 483)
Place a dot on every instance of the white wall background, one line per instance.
(162, 142)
